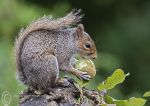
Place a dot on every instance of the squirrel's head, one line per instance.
(84, 43)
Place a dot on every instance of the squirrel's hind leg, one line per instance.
(43, 72)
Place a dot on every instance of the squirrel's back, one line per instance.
(56, 42)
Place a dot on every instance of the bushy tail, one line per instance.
(44, 23)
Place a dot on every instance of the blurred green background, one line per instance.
(120, 29)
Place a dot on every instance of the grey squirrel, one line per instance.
(48, 45)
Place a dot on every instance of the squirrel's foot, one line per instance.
(63, 82)
(71, 80)
(83, 75)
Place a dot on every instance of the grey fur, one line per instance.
(45, 47)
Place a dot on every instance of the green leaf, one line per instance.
(131, 102)
(136, 102)
(117, 77)
(111, 100)
(147, 94)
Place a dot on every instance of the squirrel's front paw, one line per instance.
(83, 75)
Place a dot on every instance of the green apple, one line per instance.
(86, 65)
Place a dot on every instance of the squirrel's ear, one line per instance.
(80, 30)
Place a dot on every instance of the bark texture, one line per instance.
(62, 95)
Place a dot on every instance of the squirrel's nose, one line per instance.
(94, 56)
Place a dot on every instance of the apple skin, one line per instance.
(86, 65)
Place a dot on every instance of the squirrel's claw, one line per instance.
(84, 76)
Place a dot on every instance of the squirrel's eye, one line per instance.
(87, 45)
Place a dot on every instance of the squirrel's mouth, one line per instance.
(89, 57)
